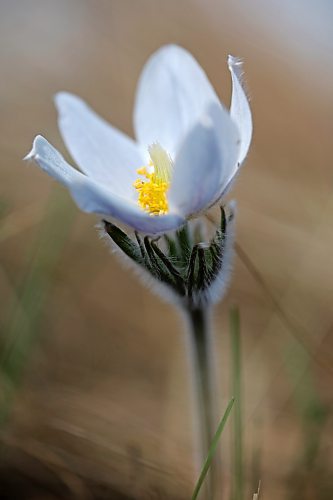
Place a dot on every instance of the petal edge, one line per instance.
(100, 150)
(206, 160)
(172, 93)
(240, 109)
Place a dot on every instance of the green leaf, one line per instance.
(212, 450)
(172, 248)
(184, 243)
(238, 469)
(125, 243)
(216, 248)
(157, 267)
(191, 270)
(202, 269)
(170, 267)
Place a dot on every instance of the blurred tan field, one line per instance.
(102, 407)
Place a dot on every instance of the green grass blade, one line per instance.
(238, 475)
(212, 450)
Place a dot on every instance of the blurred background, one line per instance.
(94, 382)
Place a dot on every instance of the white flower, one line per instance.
(188, 149)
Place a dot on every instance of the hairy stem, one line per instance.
(204, 385)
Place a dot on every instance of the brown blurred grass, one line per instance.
(104, 399)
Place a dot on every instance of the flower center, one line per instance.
(152, 189)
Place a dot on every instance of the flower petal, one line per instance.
(205, 162)
(51, 161)
(101, 151)
(92, 196)
(240, 110)
(172, 94)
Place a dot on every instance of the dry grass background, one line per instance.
(104, 402)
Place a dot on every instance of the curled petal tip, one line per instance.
(29, 156)
(32, 155)
(235, 65)
(240, 110)
(234, 61)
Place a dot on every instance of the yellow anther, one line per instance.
(142, 171)
(152, 192)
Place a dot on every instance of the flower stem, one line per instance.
(204, 386)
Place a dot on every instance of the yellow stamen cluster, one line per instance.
(152, 191)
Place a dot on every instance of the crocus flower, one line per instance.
(188, 147)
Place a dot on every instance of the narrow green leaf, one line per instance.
(125, 243)
(140, 243)
(172, 248)
(216, 248)
(184, 242)
(191, 270)
(170, 267)
(202, 268)
(157, 267)
(238, 473)
(212, 450)
(145, 257)
(223, 223)
(153, 263)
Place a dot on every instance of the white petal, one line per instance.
(240, 110)
(51, 161)
(172, 94)
(205, 162)
(92, 196)
(101, 151)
